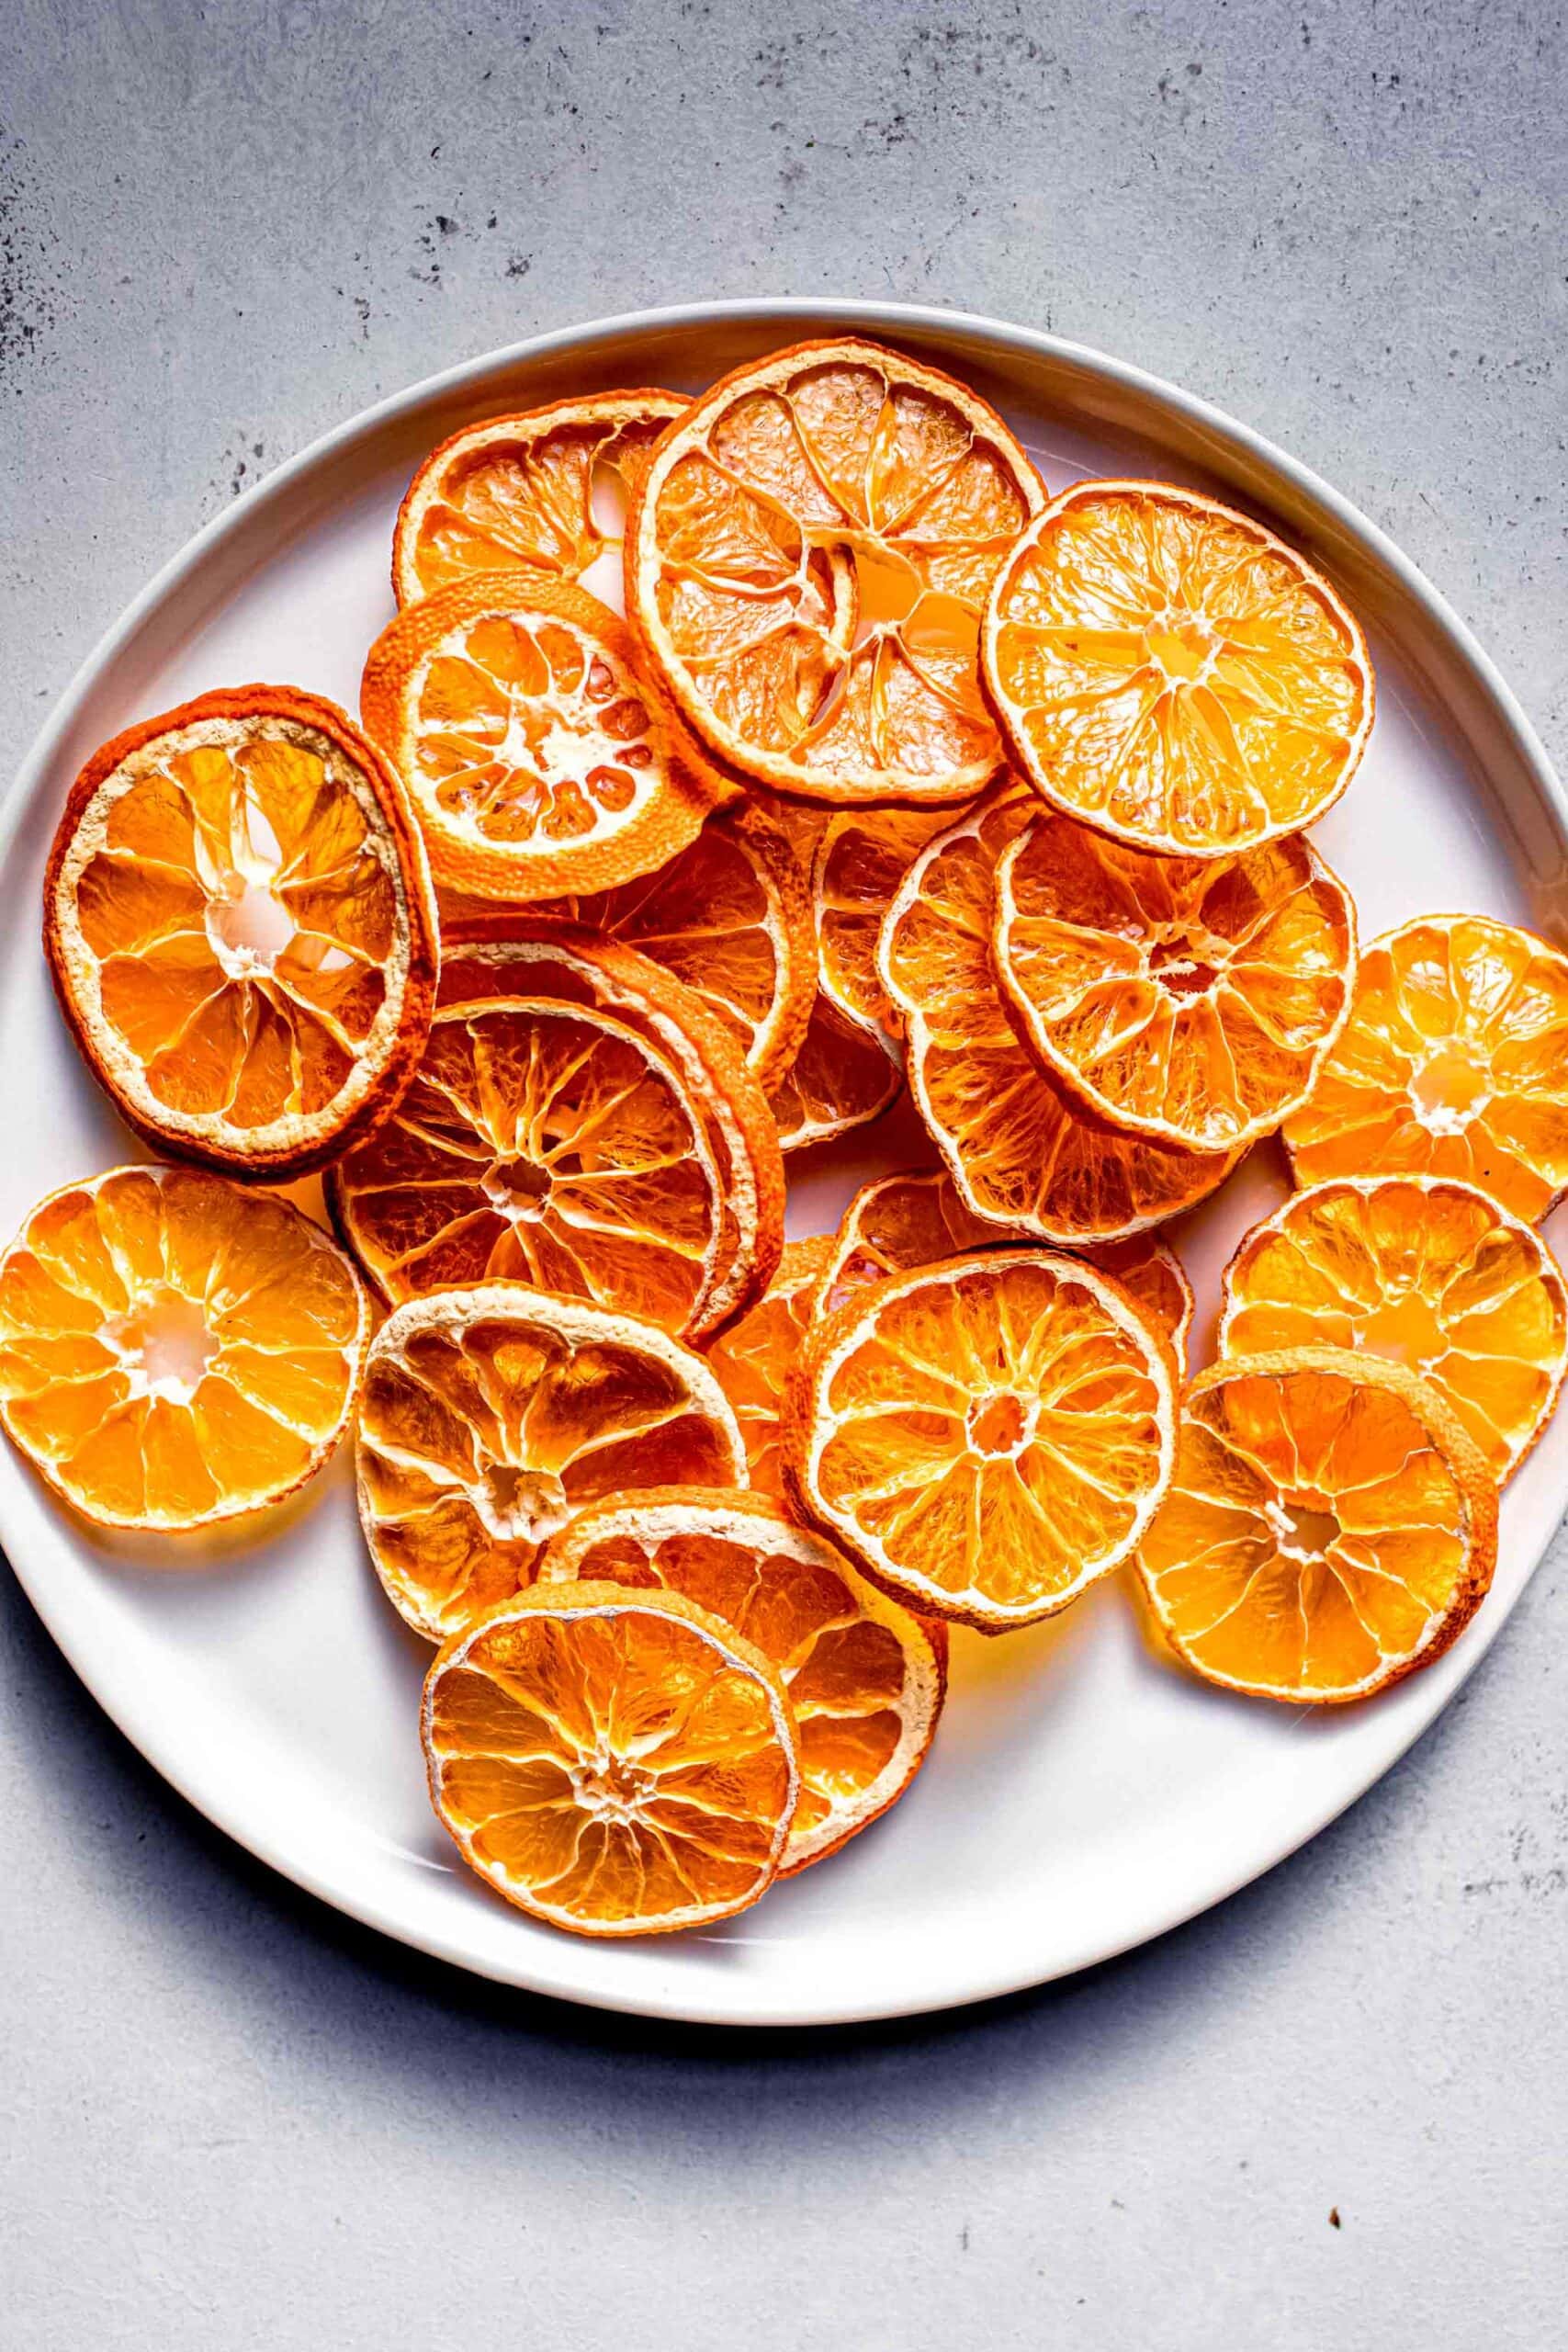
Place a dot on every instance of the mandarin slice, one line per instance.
(986, 1436)
(1431, 1273)
(175, 1350)
(863, 855)
(1171, 673)
(492, 1413)
(616, 1763)
(239, 924)
(754, 1357)
(866, 1678)
(1330, 1527)
(843, 1077)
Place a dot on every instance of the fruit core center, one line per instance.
(520, 1506)
(1450, 1090)
(1303, 1525)
(518, 1188)
(248, 927)
(1182, 969)
(163, 1342)
(1404, 1329)
(1000, 1424)
(613, 1789)
(1182, 645)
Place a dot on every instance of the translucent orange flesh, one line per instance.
(1175, 676)
(173, 1349)
(841, 1078)
(1433, 1276)
(752, 1360)
(1454, 1062)
(864, 858)
(546, 1142)
(611, 1770)
(1188, 997)
(478, 1439)
(244, 926)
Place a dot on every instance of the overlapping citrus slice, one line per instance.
(1329, 1528)
(492, 1413)
(986, 1436)
(1022, 1150)
(1173, 674)
(174, 1351)
(536, 760)
(863, 855)
(1189, 998)
(1431, 1273)
(866, 1679)
(1454, 1062)
(238, 919)
(842, 1076)
(830, 450)
(618, 1763)
(754, 1357)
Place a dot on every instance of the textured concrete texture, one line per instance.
(1332, 2111)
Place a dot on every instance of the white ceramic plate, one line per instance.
(1079, 1798)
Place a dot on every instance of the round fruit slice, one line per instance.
(753, 1359)
(1022, 1150)
(616, 1763)
(238, 919)
(547, 1142)
(1454, 1062)
(1330, 1527)
(492, 1415)
(1173, 674)
(1189, 998)
(829, 450)
(986, 1436)
(863, 855)
(536, 761)
(866, 1679)
(175, 1351)
(1430, 1273)
(549, 488)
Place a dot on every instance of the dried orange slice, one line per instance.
(986, 1436)
(550, 487)
(1330, 1526)
(1433, 1275)
(492, 1413)
(174, 1351)
(832, 449)
(1189, 998)
(866, 1679)
(238, 918)
(618, 1763)
(547, 1142)
(863, 855)
(1454, 1062)
(753, 1359)
(843, 1077)
(1020, 1149)
(536, 761)
(1173, 674)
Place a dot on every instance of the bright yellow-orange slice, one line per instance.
(830, 450)
(1022, 1150)
(536, 760)
(986, 1436)
(754, 1358)
(618, 1763)
(1330, 1526)
(863, 855)
(1454, 1062)
(238, 918)
(492, 1413)
(546, 1142)
(1432, 1274)
(1172, 672)
(866, 1679)
(550, 487)
(1189, 998)
(175, 1351)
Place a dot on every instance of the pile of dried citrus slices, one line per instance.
(730, 765)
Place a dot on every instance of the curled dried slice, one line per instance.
(492, 1413)
(1173, 674)
(175, 1351)
(616, 1763)
(1022, 1150)
(238, 919)
(866, 1679)
(1431, 1273)
(986, 1436)
(863, 855)
(1329, 1528)
(1189, 998)
(754, 1358)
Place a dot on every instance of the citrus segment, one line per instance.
(754, 1357)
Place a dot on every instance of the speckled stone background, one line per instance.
(1331, 2113)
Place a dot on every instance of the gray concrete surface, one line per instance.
(226, 2117)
